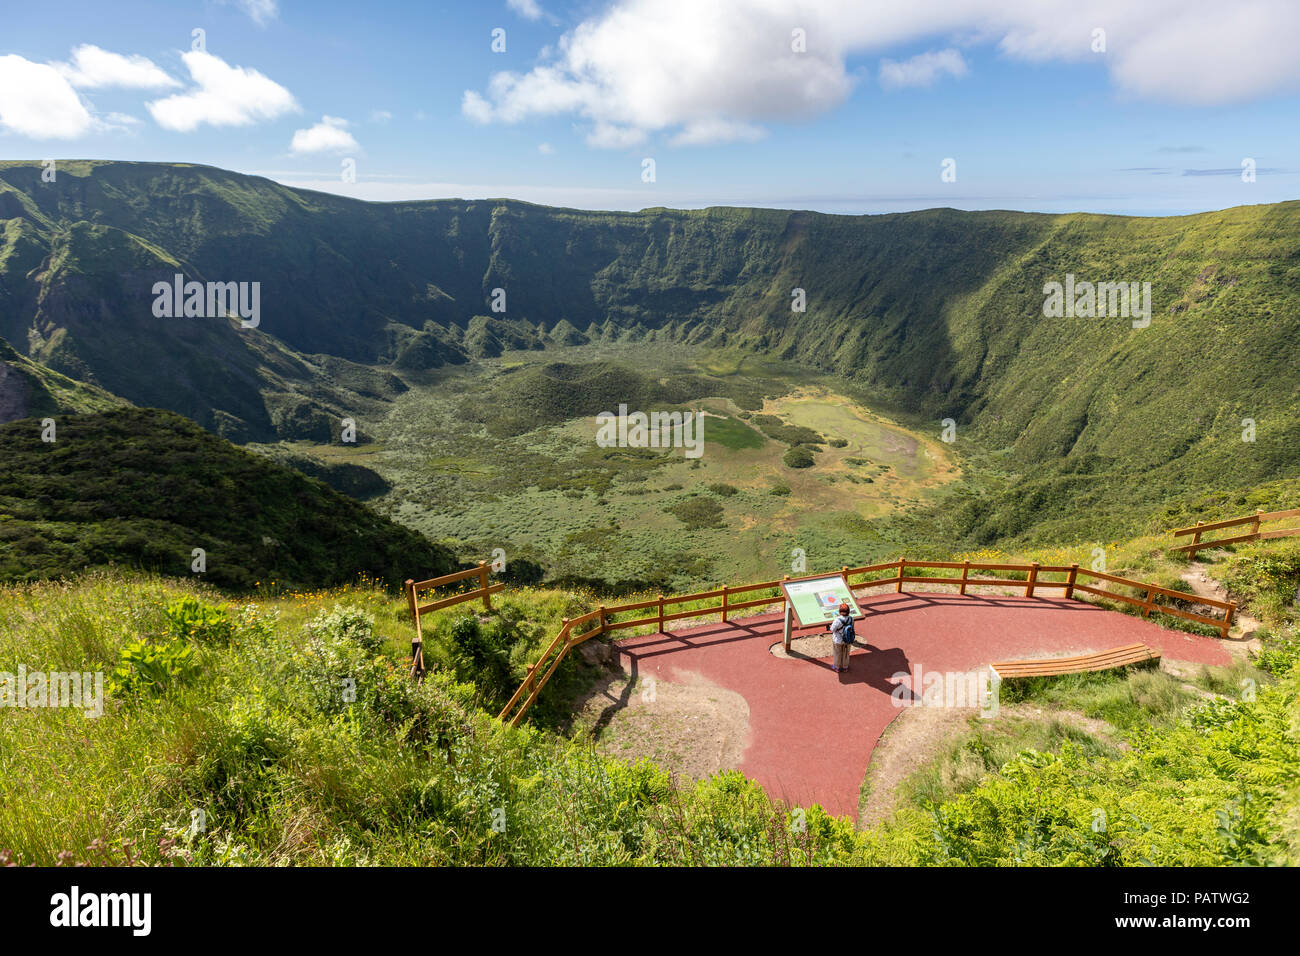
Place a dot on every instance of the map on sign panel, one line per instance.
(817, 600)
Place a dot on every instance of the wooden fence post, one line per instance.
(1258, 512)
(1146, 604)
(417, 642)
(661, 613)
(1196, 539)
(1033, 579)
(787, 626)
(602, 620)
(965, 573)
(1227, 619)
(483, 583)
(1069, 581)
(902, 566)
(724, 604)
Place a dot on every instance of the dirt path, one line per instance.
(1241, 640)
(690, 727)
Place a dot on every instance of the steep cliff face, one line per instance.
(940, 311)
(29, 389)
(13, 394)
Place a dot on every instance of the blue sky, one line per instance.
(1036, 116)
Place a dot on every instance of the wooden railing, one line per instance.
(575, 631)
(1255, 520)
(483, 591)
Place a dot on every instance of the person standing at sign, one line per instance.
(842, 637)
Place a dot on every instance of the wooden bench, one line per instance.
(1124, 656)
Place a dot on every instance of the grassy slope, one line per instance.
(143, 488)
(286, 771)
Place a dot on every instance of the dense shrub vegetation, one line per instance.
(799, 456)
(144, 488)
(1267, 577)
(698, 512)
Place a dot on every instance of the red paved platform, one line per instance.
(812, 730)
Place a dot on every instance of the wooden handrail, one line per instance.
(532, 673)
(1170, 592)
(1258, 518)
(1246, 519)
(459, 598)
(538, 684)
(447, 578)
(869, 568)
(483, 592)
(532, 686)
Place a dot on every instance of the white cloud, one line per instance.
(922, 69)
(380, 116)
(546, 149)
(704, 132)
(708, 72)
(121, 121)
(528, 9)
(330, 135)
(609, 136)
(94, 68)
(224, 96)
(261, 11)
(476, 107)
(37, 101)
(1197, 52)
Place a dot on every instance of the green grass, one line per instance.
(47, 393)
(1129, 702)
(731, 433)
(986, 748)
(287, 770)
(1133, 699)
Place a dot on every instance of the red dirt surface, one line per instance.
(812, 730)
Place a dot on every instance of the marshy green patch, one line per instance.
(505, 451)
